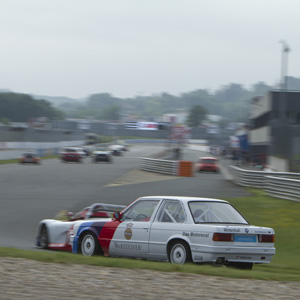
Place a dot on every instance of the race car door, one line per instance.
(131, 238)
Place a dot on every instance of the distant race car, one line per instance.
(30, 158)
(124, 147)
(170, 228)
(71, 155)
(53, 234)
(207, 164)
(116, 150)
(101, 154)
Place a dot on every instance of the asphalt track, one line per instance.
(30, 193)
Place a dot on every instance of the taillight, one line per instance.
(222, 237)
(266, 238)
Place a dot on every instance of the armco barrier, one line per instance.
(248, 178)
(283, 188)
(146, 141)
(283, 185)
(168, 167)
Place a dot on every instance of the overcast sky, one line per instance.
(76, 48)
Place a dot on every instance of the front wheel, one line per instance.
(89, 244)
(179, 253)
(44, 237)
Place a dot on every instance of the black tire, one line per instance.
(240, 265)
(179, 253)
(89, 244)
(44, 237)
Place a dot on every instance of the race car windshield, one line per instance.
(208, 161)
(215, 212)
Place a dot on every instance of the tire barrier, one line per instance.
(186, 168)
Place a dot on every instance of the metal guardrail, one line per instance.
(168, 167)
(277, 184)
(283, 188)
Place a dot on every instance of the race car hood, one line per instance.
(101, 152)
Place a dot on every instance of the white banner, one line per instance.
(141, 125)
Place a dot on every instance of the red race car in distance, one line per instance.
(207, 164)
(30, 158)
(70, 155)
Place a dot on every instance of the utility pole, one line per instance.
(284, 82)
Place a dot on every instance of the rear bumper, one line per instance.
(207, 169)
(102, 159)
(233, 254)
(71, 159)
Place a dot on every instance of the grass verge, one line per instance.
(258, 209)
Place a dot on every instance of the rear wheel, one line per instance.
(44, 237)
(89, 244)
(179, 253)
(241, 265)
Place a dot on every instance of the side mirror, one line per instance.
(117, 216)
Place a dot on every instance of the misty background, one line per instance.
(128, 48)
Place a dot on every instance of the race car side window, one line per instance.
(171, 212)
(140, 211)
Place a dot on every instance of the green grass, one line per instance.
(282, 215)
(8, 161)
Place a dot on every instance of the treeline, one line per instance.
(231, 102)
(21, 107)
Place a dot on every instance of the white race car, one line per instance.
(179, 230)
(54, 234)
(116, 150)
(101, 154)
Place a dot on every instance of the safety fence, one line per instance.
(14, 150)
(168, 167)
(146, 141)
(283, 185)
(283, 188)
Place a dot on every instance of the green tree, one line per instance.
(22, 107)
(197, 115)
(111, 113)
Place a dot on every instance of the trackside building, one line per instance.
(274, 135)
